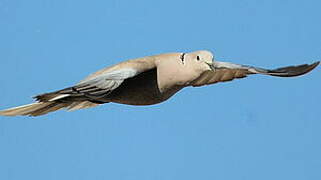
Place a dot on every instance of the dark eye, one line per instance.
(198, 58)
(182, 57)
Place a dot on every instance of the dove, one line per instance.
(147, 81)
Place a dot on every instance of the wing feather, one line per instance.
(225, 71)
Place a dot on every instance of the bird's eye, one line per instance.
(182, 57)
(198, 58)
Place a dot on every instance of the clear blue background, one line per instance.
(256, 128)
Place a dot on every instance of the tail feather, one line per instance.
(50, 102)
(42, 108)
(25, 110)
(28, 109)
(81, 105)
(49, 108)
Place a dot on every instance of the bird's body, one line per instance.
(146, 81)
(140, 90)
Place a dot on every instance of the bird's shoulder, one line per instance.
(132, 66)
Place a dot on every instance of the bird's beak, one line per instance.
(210, 64)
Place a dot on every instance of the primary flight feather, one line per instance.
(146, 81)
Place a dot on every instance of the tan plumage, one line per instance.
(145, 81)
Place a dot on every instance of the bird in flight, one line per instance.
(146, 81)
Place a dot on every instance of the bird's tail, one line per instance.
(47, 103)
(34, 109)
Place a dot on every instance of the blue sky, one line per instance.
(255, 128)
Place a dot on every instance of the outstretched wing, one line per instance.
(88, 93)
(101, 83)
(93, 88)
(224, 71)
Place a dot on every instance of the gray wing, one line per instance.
(225, 71)
(104, 83)
(93, 88)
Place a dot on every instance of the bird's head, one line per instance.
(182, 68)
(200, 60)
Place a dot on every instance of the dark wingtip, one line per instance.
(315, 64)
(292, 71)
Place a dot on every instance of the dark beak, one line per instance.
(211, 66)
